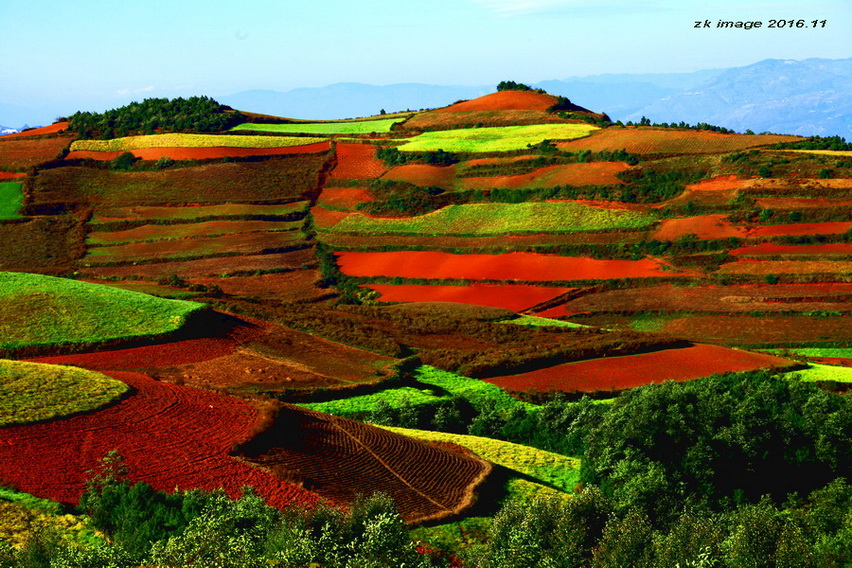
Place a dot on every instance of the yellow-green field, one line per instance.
(34, 392)
(348, 127)
(494, 139)
(191, 141)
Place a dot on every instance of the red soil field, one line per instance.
(294, 286)
(525, 266)
(325, 218)
(669, 141)
(357, 161)
(207, 266)
(344, 197)
(501, 242)
(829, 228)
(170, 437)
(505, 100)
(702, 226)
(488, 161)
(770, 249)
(202, 153)
(763, 330)
(51, 129)
(10, 175)
(423, 175)
(21, 153)
(595, 173)
(838, 361)
(618, 373)
(244, 243)
(512, 296)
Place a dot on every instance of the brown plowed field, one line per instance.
(798, 229)
(201, 153)
(619, 373)
(425, 481)
(325, 218)
(242, 243)
(207, 266)
(777, 203)
(343, 197)
(22, 153)
(702, 226)
(505, 100)
(502, 242)
(595, 173)
(185, 230)
(733, 298)
(284, 357)
(639, 140)
(784, 250)
(294, 286)
(838, 268)
(423, 175)
(511, 296)
(524, 266)
(170, 437)
(763, 330)
(50, 129)
(719, 190)
(189, 213)
(357, 161)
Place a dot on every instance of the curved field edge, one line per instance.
(551, 473)
(36, 392)
(190, 141)
(39, 313)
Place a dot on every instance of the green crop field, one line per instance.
(839, 352)
(190, 141)
(325, 128)
(537, 321)
(11, 200)
(816, 372)
(33, 392)
(45, 311)
(497, 218)
(494, 139)
(478, 393)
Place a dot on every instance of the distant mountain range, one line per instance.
(807, 97)
(7, 130)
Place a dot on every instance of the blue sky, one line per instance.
(96, 53)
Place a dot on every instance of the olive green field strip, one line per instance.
(11, 200)
(151, 233)
(323, 128)
(35, 392)
(44, 311)
(495, 219)
(108, 215)
(225, 245)
(190, 141)
(494, 139)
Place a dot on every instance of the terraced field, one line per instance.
(494, 139)
(324, 128)
(649, 141)
(189, 141)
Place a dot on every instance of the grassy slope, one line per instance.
(497, 218)
(22, 515)
(11, 200)
(494, 139)
(34, 392)
(817, 372)
(43, 311)
(355, 127)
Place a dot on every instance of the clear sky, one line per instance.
(86, 54)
